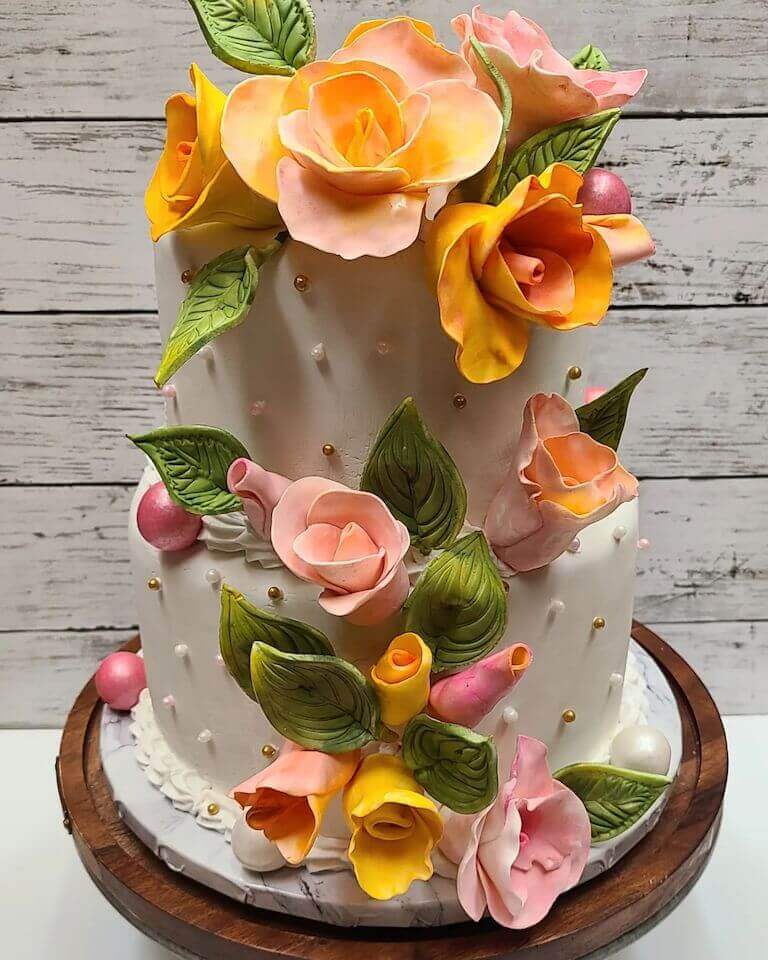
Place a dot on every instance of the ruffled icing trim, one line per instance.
(232, 533)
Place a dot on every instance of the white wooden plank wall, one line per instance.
(82, 84)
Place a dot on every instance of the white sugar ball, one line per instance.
(253, 849)
(641, 748)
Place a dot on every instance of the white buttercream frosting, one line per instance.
(232, 533)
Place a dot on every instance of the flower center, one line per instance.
(391, 821)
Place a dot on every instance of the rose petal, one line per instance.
(336, 103)
(289, 519)
(626, 237)
(370, 606)
(350, 226)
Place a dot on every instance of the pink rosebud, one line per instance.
(259, 490)
(163, 523)
(120, 679)
(469, 696)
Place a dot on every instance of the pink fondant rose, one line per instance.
(351, 147)
(259, 490)
(561, 480)
(522, 852)
(347, 542)
(546, 88)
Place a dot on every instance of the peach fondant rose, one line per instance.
(347, 542)
(561, 480)
(546, 88)
(288, 799)
(351, 147)
(517, 856)
(193, 182)
(534, 258)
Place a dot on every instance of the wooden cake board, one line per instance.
(591, 921)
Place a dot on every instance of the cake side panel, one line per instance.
(572, 669)
(328, 365)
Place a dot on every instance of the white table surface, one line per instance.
(49, 909)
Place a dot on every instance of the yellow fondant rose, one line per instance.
(193, 182)
(401, 679)
(394, 827)
(534, 258)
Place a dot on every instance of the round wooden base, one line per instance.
(610, 910)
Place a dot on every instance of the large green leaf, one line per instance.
(576, 143)
(259, 36)
(459, 607)
(604, 418)
(193, 464)
(614, 798)
(241, 624)
(454, 765)
(321, 703)
(217, 300)
(590, 58)
(417, 479)
(482, 185)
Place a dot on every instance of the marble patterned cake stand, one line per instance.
(331, 896)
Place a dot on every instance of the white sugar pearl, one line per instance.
(643, 543)
(641, 748)
(510, 716)
(169, 701)
(383, 348)
(181, 650)
(574, 546)
(213, 576)
(253, 849)
(556, 608)
(205, 736)
(220, 660)
(616, 679)
(619, 533)
(206, 353)
(258, 407)
(318, 352)
(168, 391)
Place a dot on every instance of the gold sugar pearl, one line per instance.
(154, 583)
(269, 751)
(459, 401)
(574, 373)
(213, 809)
(187, 276)
(275, 593)
(328, 449)
(598, 623)
(569, 716)
(301, 283)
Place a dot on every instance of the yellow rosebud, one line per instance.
(401, 679)
(394, 827)
(193, 182)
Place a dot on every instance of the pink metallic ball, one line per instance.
(604, 192)
(165, 524)
(120, 679)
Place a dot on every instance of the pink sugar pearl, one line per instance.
(604, 192)
(165, 524)
(120, 679)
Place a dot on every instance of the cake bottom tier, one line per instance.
(575, 615)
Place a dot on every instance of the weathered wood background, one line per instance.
(82, 83)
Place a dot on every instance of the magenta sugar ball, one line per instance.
(165, 524)
(604, 192)
(120, 679)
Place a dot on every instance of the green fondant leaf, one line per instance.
(590, 58)
(454, 765)
(193, 464)
(259, 36)
(241, 624)
(576, 143)
(604, 418)
(614, 798)
(218, 300)
(458, 606)
(321, 703)
(482, 185)
(417, 479)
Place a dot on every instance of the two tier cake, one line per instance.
(384, 547)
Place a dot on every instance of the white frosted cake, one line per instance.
(383, 548)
